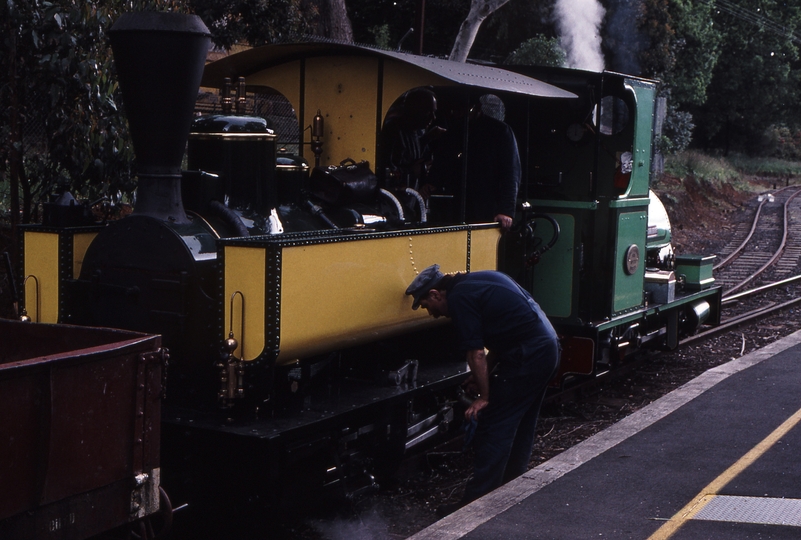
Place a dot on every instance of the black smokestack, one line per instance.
(159, 59)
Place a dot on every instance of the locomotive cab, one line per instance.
(608, 282)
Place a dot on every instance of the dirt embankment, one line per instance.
(703, 215)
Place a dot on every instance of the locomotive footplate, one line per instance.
(346, 434)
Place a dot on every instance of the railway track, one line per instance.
(766, 250)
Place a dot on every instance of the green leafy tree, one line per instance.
(658, 57)
(697, 47)
(677, 130)
(539, 50)
(442, 19)
(381, 33)
(256, 22)
(755, 81)
(682, 50)
(512, 25)
(57, 75)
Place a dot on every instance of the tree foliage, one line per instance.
(57, 75)
(677, 130)
(442, 20)
(697, 47)
(256, 22)
(679, 46)
(656, 24)
(755, 81)
(508, 28)
(539, 50)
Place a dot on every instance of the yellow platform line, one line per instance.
(710, 491)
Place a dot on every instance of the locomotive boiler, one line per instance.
(296, 359)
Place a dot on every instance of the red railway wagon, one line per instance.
(79, 429)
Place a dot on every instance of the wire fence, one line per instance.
(34, 129)
(34, 141)
(272, 106)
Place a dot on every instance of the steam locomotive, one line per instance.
(295, 358)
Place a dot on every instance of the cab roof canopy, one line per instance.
(354, 86)
(440, 72)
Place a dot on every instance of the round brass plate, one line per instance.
(632, 259)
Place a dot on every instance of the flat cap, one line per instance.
(424, 282)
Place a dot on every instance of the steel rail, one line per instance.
(776, 254)
(754, 222)
(741, 247)
(776, 284)
(741, 319)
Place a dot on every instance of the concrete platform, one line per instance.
(718, 458)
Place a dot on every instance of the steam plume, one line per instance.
(579, 22)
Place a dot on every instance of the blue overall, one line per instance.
(490, 310)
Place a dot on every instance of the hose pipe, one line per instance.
(534, 258)
(397, 203)
(421, 203)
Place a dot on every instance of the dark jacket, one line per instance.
(489, 309)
